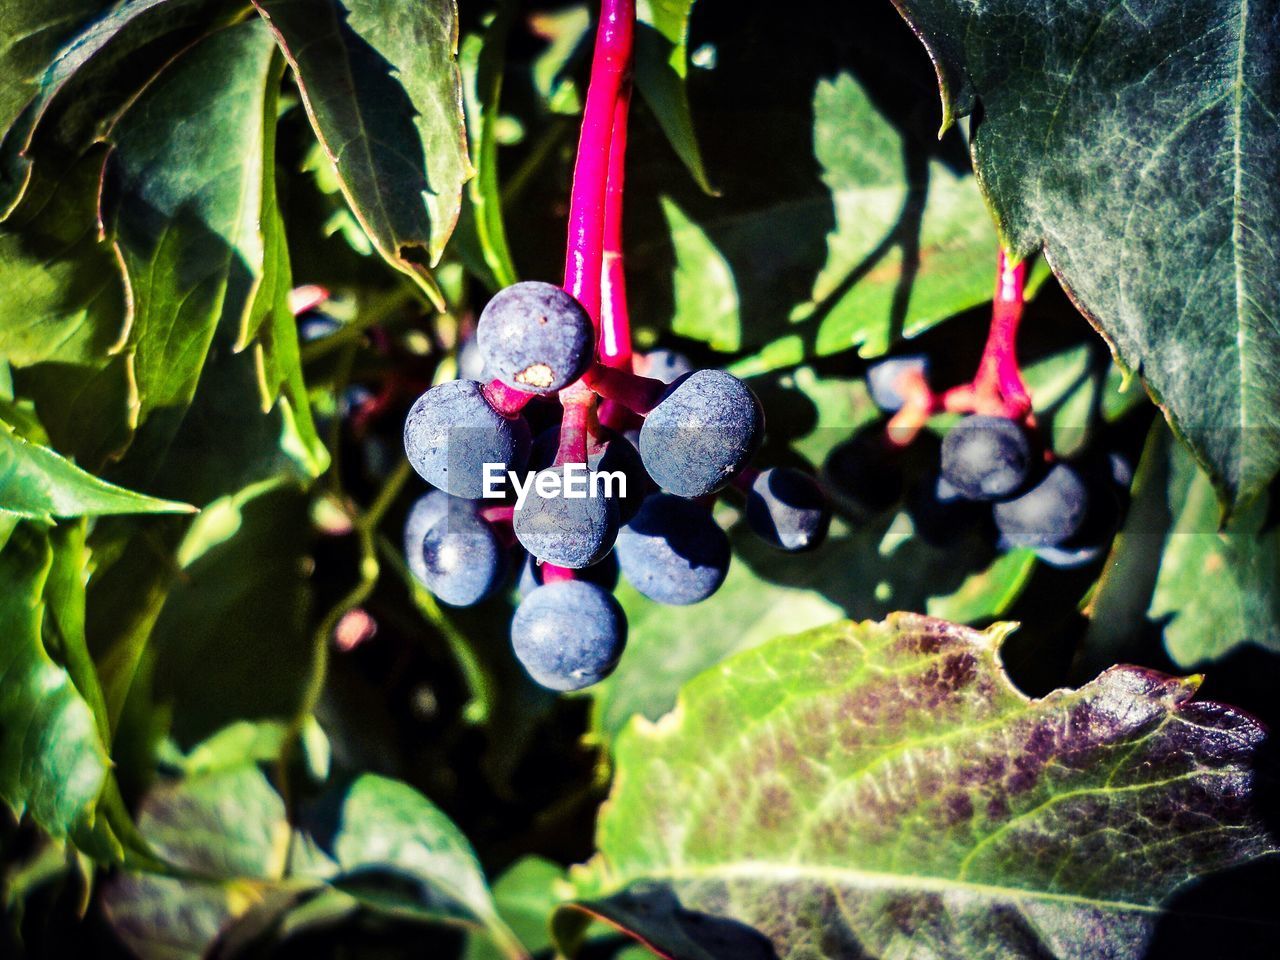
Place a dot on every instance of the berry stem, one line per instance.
(498, 513)
(615, 321)
(577, 406)
(553, 574)
(632, 391)
(999, 379)
(997, 389)
(504, 399)
(610, 64)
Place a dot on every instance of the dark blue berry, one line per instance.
(569, 531)
(704, 430)
(451, 432)
(673, 551)
(568, 634)
(452, 550)
(1047, 515)
(535, 337)
(884, 379)
(986, 458)
(787, 508)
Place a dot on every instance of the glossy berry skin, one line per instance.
(884, 379)
(986, 458)
(451, 550)
(535, 337)
(787, 509)
(706, 428)
(571, 532)
(603, 573)
(1049, 514)
(451, 432)
(568, 634)
(665, 365)
(673, 551)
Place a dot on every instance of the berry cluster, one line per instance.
(992, 470)
(626, 479)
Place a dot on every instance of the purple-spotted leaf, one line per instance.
(883, 788)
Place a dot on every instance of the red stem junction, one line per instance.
(997, 389)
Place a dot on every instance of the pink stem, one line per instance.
(610, 63)
(998, 373)
(504, 399)
(573, 427)
(553, 574)
(498, 513)
(615, 322)
(638, 394)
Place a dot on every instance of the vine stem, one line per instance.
(998, 388)
(610, 65)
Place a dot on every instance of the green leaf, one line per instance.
(661, 69)
(388, 829)
(226, 829)
(37, 484)
(232, 640)
(382, 88)
(482, 60)
(1173, 568)
(183, 193)
(525, 896)
(883, 787)
(1216, 588)
(53, 761)
(70, 59)
(1136, 147)
(911, 245)
(30, 36)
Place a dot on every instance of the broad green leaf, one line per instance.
(64, 300)
(227, 829)
(381, 86)
(910, 244)
(1137, 146)
(232, 640)
(1216, 588)
(390, 831)
(525, 896)
(71, 58)
(30, 36)
(661, 68)
(883, 788)
(53, 761)
(183, 197)
(1173, 569)
(37, 484)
